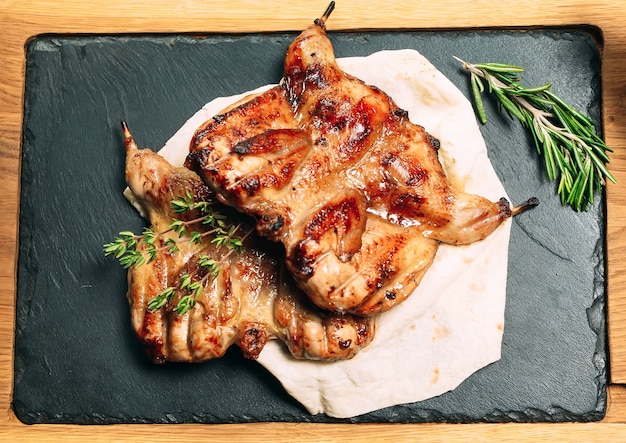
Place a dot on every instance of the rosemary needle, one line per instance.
(572, 151)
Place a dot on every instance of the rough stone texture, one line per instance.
(76, 360)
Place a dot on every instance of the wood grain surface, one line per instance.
(20, 21)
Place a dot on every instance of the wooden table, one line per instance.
(22, 20)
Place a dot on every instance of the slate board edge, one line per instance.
(495, 416)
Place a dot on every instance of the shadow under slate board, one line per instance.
(76, 358)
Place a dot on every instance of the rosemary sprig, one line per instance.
(135, 250)
(572, 152)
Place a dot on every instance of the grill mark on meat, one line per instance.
(401, 113)
(303, 260)
(382, 268)
(250, 185)
(290, 147)
(406, 205)
(358, 124)
(298, 79)
(433, 142)
(336, 217)
(218, 132)
(341, 221)
(411, 174)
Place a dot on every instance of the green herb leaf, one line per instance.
(161, 300)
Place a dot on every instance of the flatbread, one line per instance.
(452, 325)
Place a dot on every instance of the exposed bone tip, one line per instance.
(125, 129)
(129, 142)
(322, 20)
(528, 204)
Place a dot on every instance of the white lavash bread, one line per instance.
(452, 325)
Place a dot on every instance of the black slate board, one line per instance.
(76, 359)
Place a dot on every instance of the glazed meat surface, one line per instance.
(334, 170)
(250, 301)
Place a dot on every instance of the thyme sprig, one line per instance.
(131, 249)
(573, 153)
(191, 289)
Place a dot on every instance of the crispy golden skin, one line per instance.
(252, 300)
(334, 170)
